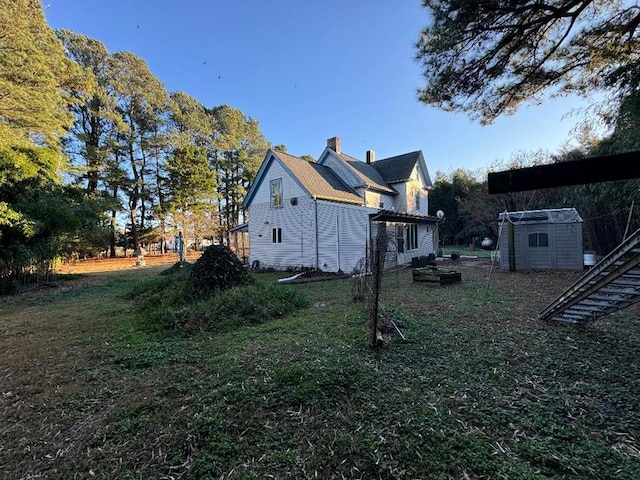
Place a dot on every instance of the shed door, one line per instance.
(538, 248)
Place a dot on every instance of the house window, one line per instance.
(400, 239)
(538, 240)
(412, 237)
(276, 235)
(276, 192)
(417, 199)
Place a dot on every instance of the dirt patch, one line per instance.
(545, 285)
(95, 265)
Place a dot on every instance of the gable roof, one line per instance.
(316, 180)
(368, 174)
(382, 174)
(398, 169)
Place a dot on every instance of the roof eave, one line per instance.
(337, 200)
(379, 190)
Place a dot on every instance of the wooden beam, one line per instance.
(607, 168)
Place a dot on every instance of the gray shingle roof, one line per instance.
(368, 174)
(318, 180)
(397, 169)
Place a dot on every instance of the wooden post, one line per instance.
(377, 269)
(512, 247)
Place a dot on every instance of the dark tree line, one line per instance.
(609, 210)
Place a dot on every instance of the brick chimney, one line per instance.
(334, 144)
(371, 157)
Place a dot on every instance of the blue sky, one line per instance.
(307, 71)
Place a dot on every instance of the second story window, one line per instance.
(275, 188)
(417, 199)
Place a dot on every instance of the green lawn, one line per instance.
(447, 250)
(92, 388)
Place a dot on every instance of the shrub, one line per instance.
(216, 270)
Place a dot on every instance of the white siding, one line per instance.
(298, 241)
(425, 244)
(290, 188)
(342, 236)
(400, 202)
(405, 201)
(322, 234)
(373, 199)
(342, 232)
(296, 221)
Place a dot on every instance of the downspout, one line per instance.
(315, 204)
(367, 245)
(338, 239)
(301, 239)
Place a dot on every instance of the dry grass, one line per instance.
(479, 388)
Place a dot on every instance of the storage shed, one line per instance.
(542, 239)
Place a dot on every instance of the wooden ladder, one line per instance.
(610, 285)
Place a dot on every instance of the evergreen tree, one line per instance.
(141, 98)
(94, 111)
(238, 150)
(486, 57)
(34, 73)
(39, 216)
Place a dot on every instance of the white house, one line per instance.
(325, 214)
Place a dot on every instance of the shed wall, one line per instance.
(565, 250)
(569, 246)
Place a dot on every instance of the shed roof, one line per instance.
(550, 215)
